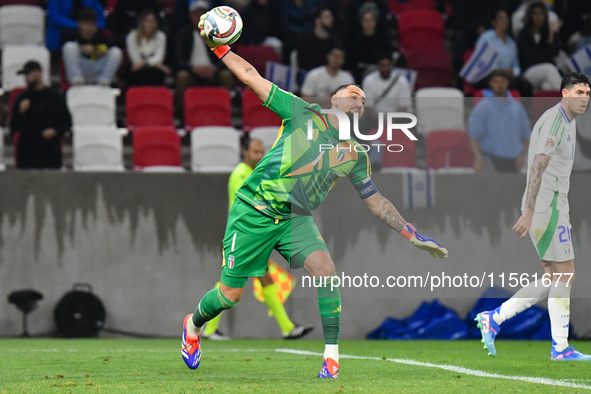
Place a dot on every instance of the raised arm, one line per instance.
(385, 210)
(243, 70)
(246, 73)
(533, 187)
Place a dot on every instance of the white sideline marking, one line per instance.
(467, 371)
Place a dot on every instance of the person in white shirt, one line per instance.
(545, 216)
(385, 91)
(146, 47)
(322, 81)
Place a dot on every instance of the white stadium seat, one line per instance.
(439, 108)
(267, 134)
(14, 58)
(215, 149)
(2, 165)
(97, 148)
(22, 25)
(92, 105)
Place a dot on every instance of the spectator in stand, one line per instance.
(520, 15)
(315, 43)
(261, 25)
(367, 45)
(41, 118)
(471, 18)
(196, 64)
(576, 16)
(507, 58)
(499, 128)
(146, 47)
(295, 18)
(127, 12)
(584, 36)
(352, 22)
(323, 80)
(385, 91)
(538, 45)
(62, 20)
(92, 57)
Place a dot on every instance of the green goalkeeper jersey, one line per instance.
(297, 173)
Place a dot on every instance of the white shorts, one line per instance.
(551, 234)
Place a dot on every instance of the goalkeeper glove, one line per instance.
(422, 242)
(219, 50)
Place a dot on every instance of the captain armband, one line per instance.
(367, 189)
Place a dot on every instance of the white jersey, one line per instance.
(554, 136)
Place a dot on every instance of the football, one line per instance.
(223, 25)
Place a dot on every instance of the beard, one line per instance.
(33, 84)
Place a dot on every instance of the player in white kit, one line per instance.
(545, 216)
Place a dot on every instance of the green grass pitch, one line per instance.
(245, 366)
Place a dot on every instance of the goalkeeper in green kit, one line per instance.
(273, 208)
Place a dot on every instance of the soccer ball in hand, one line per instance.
(223, 25)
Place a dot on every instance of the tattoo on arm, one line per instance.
(247, 69)
(535, 179)
(389, 215)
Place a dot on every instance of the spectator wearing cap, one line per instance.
(499, 128)
(146, 47)
(92, 58)
(62, 20)
(195, 62)
(40, 117)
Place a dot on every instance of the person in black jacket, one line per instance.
(92, 58)
(40, 117)
(538, 44)
(195, 63)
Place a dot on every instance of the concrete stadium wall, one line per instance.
(150, 246)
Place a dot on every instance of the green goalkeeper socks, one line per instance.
(214, 323)
(329, 303)
(211, 305)
(274, 303)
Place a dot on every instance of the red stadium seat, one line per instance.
(254, 114)
(207, 107)
(397, 7)
(12, 95)
(434, 68)
(110, 6)
(156, 146)
(149, 106)
(394, 159)
(448, 148)
(258, 56)
(548, 93)
(18, 2)
(420, 30)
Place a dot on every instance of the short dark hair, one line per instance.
(87, 15)
(247, 140)
(573, 78)
(498, 73)
(344, 86)
(318, 12)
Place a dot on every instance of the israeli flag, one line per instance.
(480, 64)
(580, 61)
(410, 75)
(281, 75)
(418, 188)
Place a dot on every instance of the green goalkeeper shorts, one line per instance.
(251, 236)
